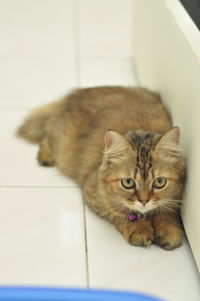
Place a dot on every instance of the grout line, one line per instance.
(16, 108)
(108, 58)
(45, 187)
(86, 246)
(76, 7)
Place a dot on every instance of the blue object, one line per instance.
(61, 294)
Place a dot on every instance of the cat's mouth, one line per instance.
(130, 209)
(159, 206)
(142, 208)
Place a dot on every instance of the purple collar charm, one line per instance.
(132, 217)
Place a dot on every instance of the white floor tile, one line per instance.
(107, 72)
(106, 28)
(114, 264)
(35, 12)
(32, 82)
(37, 54)
(28, 40)
(36, 28)
(42, 237)
(18, 162)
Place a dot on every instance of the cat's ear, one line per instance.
(115, 145)
(169, 139)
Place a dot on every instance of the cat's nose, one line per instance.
(143, 201)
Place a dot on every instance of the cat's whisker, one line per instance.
(170, 205)
(174, 206)
(165, 207)
(174, 201)
(119, 209)
(111, 216)
(158, 211)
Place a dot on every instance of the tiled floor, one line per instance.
(47, 235)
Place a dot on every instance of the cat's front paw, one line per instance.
(168, 237)
(141, 235)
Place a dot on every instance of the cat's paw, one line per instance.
(141, 236)
(45, 157)
(168, 237)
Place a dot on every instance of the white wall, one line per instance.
(167, 56)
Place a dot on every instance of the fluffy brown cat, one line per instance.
(118, 144)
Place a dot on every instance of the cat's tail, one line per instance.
(36, 125)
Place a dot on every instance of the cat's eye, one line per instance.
(128, 183)
(159, 183)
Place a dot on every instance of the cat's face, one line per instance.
(143, 174)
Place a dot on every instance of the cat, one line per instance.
(119, 145)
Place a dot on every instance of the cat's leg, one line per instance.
(137, 233)
(168, 232)
(45, 154)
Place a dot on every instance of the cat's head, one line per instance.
(142, 171)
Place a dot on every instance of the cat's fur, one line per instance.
(97, 136)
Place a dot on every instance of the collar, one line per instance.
(132, 217)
